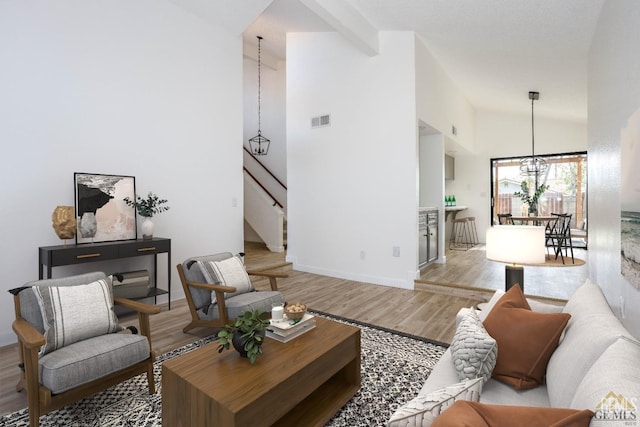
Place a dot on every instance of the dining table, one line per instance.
(534, 220)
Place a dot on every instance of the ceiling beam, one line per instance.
(347, 21)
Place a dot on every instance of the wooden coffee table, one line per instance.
(303, 382)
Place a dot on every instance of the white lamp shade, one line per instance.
(517, 244)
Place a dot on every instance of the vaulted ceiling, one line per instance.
(495, 50)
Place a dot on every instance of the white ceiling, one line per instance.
(280, 17)
(496, 50)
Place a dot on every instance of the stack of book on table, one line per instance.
(285, 330)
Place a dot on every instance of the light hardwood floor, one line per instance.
(465, 269)
(429, 314)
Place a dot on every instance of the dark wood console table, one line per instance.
(56, 256)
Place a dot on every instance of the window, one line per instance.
(567, 192)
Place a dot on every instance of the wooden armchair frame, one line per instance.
(220, 290)
(40, 399)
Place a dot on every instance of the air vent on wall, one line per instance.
(321, 121)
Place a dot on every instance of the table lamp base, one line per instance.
(513, 274)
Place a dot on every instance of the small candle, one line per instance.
(277, 312)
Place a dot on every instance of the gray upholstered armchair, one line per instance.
(70, 343)
(218, 289)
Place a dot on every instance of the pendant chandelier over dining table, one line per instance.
(533, 166)
(259, 144)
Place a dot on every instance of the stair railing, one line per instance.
(264, 167)
(255, 180)
(265, 178)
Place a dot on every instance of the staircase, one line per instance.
(265, 203)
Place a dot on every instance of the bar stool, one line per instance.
(464, 234)
(473, 231)
(460, 238)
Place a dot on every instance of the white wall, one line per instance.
(614, 95)
(431, 164)
(352, 185)
(440, 103)
(504, 135)
(131, 87)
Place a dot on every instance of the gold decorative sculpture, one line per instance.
(64, 222)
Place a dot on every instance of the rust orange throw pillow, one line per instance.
(526, 339)
(475, 414)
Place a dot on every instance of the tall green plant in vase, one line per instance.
(147, 208)
(531, 198)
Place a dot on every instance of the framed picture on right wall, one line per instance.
(630, 200)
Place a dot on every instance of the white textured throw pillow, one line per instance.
(474, 351)
(75, 313)
(228, 272)
(423, 409)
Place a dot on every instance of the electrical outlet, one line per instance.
(396, 251)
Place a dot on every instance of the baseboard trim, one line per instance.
(375, 280)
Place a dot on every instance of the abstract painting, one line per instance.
(630, 200)
(101, 212)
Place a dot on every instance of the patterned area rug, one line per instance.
(394, 368)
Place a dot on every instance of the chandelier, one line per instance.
(259, 144)
(533, 166)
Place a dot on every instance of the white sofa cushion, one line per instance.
(423, 409)
(612, 384)
(444, 374)
(590, 331)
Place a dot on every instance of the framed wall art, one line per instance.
(102, 214)
(630, 200)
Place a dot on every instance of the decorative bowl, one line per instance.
(295, 311)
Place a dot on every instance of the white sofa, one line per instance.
(596, 365)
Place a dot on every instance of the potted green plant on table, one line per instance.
(531, 199)
(246, 334)
(147, 208)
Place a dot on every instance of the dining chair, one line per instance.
(504, 219)
(558, 236)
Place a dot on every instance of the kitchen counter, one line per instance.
(454, 210)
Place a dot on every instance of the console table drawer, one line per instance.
(149, 247)
(60, 255)
(79, 255)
